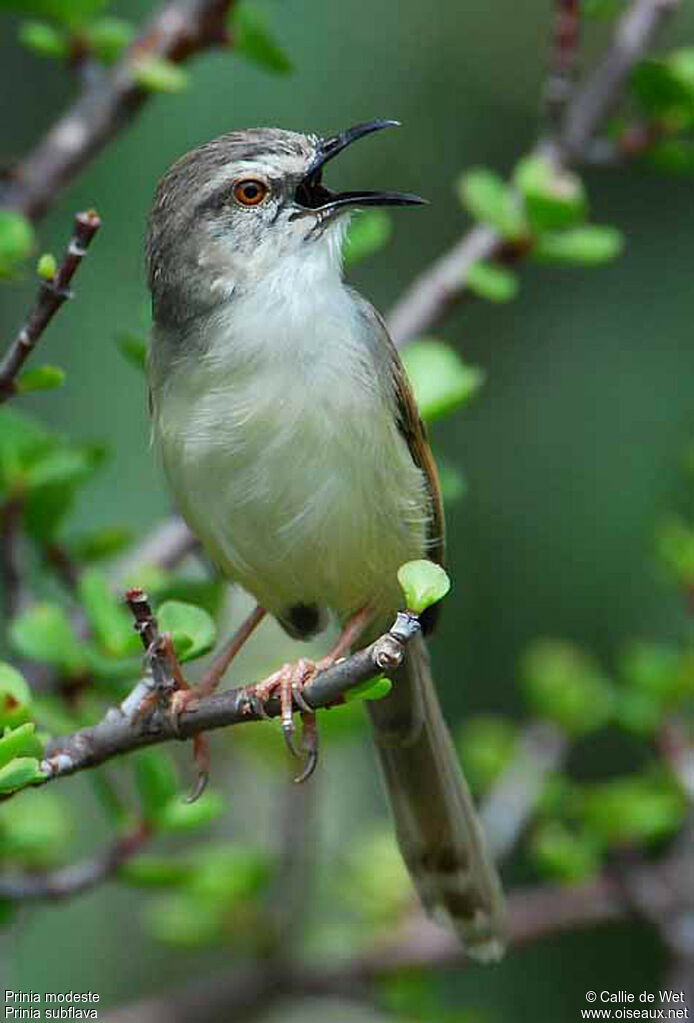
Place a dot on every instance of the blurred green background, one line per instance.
(571, 452)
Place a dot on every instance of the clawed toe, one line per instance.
(288, 685)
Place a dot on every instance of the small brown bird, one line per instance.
(293, 445)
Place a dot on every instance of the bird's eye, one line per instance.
(250, 191)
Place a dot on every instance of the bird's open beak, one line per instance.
(312, 194)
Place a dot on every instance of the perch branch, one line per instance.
(106, 105)
(563, 63)
(52, 294)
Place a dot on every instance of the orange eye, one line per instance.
(250, 191)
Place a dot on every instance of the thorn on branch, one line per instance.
(51, 296)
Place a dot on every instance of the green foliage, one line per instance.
(100, 544)
(490, 200)
(108, 37)
(156, 74)
(369, 232)
(19, 773)
(134, 348)
(72, 13)
(112, 625)
(45, 40)
(675, 547)
(589, 245)
(252, 38)
(452, 480)
(158, 786)
(564, 683)
(34, 831)
(492, 281)
(486, 745)
(15, 697)
(192, 629)
(441, 381)
(554, 198)
(566, 854)
(44, 633)
(20, 742)
(47, 266)
(40, 378)
(423, 583)
(634, 809)
(664, 87)
(372, 689)
(17, 240)
(672, 156)
(380, 890)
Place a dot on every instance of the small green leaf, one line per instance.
(44, 39)
(491, 281)
(47, 266)
(156, 780)
(19, 773)
(44, 633)
(101, 543)
(371, 689)
(155, 872)
(486, 745)
(563, 683)
(41, 378)
(673, 156)
(108, 617)
(424, 583)
(73, 13)
(17, 239)
(490, 200)
(134, 348)
(157, 74)
(590, 245)
(663, 86)
(108, 37)
(554, 197)
(252, 38)
(193, 630)
(368, 232)
(34, 831)
(20, 742)
(602, 8)
(15, 697)
(178, 815)
(182, 921)
(230, 873)
(675, 544)
(634, 809)
(565, 854)
(441, 381)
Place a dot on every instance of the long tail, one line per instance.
(437, 826)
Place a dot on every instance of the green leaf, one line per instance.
(441, 381)
(44, 39)
(156, 781)
(590, 245)
(673, 156)
(554, 197)
(155, 872)
(371, 689)
(182, 921)
(101, 543)
(253, 39)
(41, 378)
(491, 281)
(73, 13)
(368, 232)
(34, 831)
(108, 37)
(134, 348)
(156, 74)
(675, 545)
(634, 809)
(15, 697)
(22, 440)
(563, 683)
(486, 745)
(661, 86)
(47, 266)
(193, 630)
(17, 239)
(52, 482)
(602, 8)
(490, 200)
(230, 873)
(20, 742)
(108, 617)
(565, 854)
(423, 583)
(44, 633)
(178, 815)
(19, 773)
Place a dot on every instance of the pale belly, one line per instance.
(302, 490)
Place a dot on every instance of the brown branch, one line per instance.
(107, 105)
(563, 64)
(124, 729)
(52, 294)
(78, 878)
(431, 295)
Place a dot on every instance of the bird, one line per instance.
(292, 443)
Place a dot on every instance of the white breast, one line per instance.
(282, 449)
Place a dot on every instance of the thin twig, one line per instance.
(52, 294)
(563, 64)
(73, 880)
(106, 105)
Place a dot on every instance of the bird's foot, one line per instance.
(288, 685)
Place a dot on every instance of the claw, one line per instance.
(201, 756)
(311, 763)
(309, 745)
(288, 733)
(198, 788)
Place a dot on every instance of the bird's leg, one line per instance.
(290, 683)
(185, 695)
